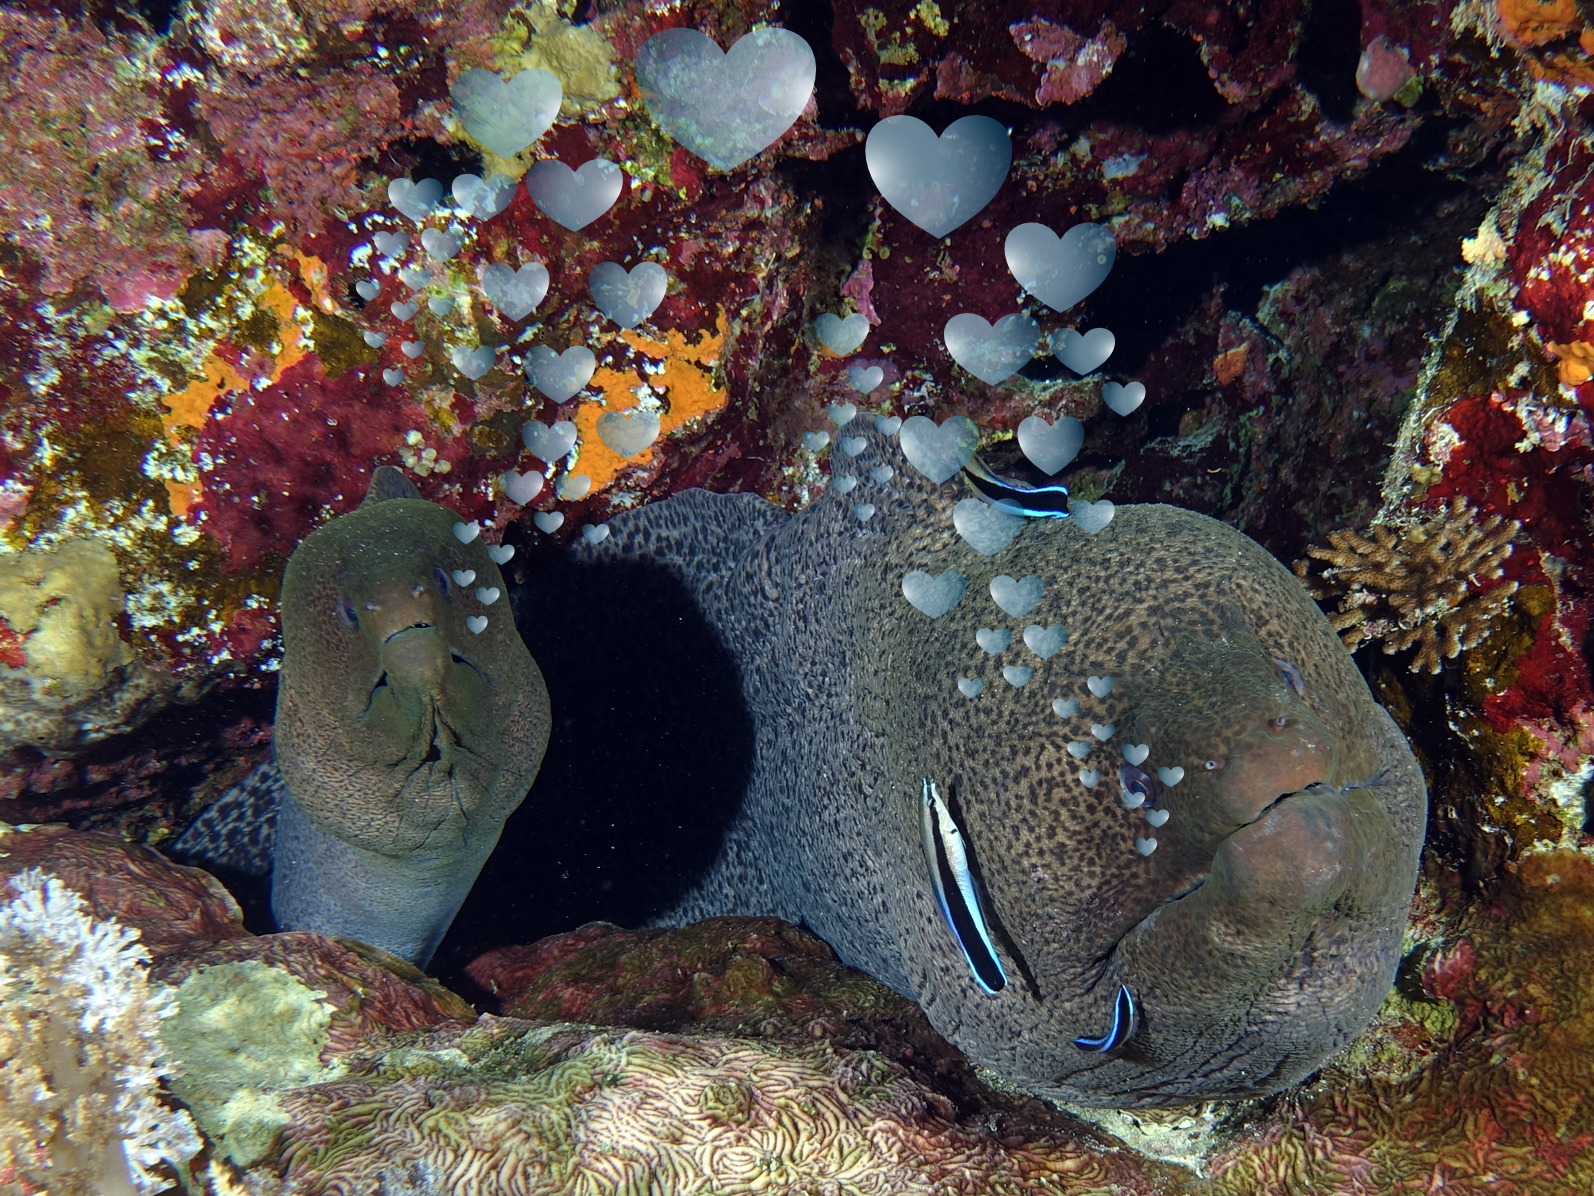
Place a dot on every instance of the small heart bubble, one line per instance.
(939, 452)
(934, 596)
(1078, 749)
(412, 349)
(463, 577)
(404, 311)
(549, 521)
(560, 375)
(487, 595)
(1132, 799)
(985, 528)
(844, 484)
(1145, 846)
(1045, 642)
(574, 487)
(628, 432)
(1017, 674)
(841, 336)
(1091, 516)
(882, 474)
(852, 445)
(501, 553)
(481, 198)
(439, 246)
(1136, 753)
(887, 425)
(1100, 686)
(1102, 731)
(369, 289)
(516, 293)
(393, 377)
(1123, 399)
(574, 198)
(415, 277)
(1156, 817)
(627, 297)
(473, 363)
(814, 441)
(440, 305)
(390, 244)
(521, 488)
(595, 533)
(1065, 707)
(375, 339)
(1088, 777)
(1049, 447)
(415, 200)
(466, 532)
(864, 511)
(1170, 776)
(1083, 352)
(864, 378)
(842, 413)
(1017, 598)
(994, 642)
(970, 686)
(476, 623)
(550, 444)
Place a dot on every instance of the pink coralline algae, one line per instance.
(1074, 65)
(1383, 70)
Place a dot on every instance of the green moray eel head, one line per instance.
(400, 729)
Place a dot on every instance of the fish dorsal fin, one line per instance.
(388, 481)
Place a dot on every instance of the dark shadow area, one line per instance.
(813, 20)
(650, 754)
(1158, 85)
(1331, 46)
(422, 158)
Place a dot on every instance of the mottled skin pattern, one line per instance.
(1260, 935)
(403, 739)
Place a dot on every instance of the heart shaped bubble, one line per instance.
(1065, 707)
(515, 293)
(487, 595)
(440, 305)
(1102, 731)
(934, 596)
(1170, 776)
(843, 485)
(938, 182)
(595, 533)
(865, 378)
(1060, 271)
(628, 433)
(521, 487)
(393, 377)
(501, 553)
(1017, 674)
(882, 474)
(549, 443)
(405, 311)
(842, 336)
(573, 487)
(725, 106)
(412, 349)
(506, 117)
(983, 527)
(1156, 817)
(375, 339)
(938, 453)
(1049, 447)
(1088, 777)
(991, 353)
(1100, 686)
(1083, 352)
(852, 445)
(473, 363)
(574, 198)
(476, 623)
(889, 425)
(994, 642)
(1045, 642)
(463, 577)
(483, 198)
(1091, 516)
(390, 244)
(560, 375)
(970, 687)
(466, 532)
(1123, 399)
(1136, 753)
(415, 277)
(439, 245)
(1078, 749)
(549, 521)
(1145, 846)
(369, 289)
(1131, 798)
(814, 441)
(1017, 597)
(842, 414)
(415, 200)
(628, 298)
(864, 512)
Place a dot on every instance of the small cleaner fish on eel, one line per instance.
(950, 846)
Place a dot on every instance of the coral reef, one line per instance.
(81, 1056)
(1423, 584)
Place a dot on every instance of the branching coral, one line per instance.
(80, 1052)
(1422, 584)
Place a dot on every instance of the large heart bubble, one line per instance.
(939, 452)
(515, 293)
(628, 298)
(1060, 271)
(574, 198)
(560, 375)
(992, 353)
(507, 117)
(725, 107)
(938, 182)
(1049, 447)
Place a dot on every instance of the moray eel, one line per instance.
(1262, 930)
(403, 739)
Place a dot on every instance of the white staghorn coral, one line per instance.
(81, 1058)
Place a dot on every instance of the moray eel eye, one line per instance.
(1137, 780)
(1214, 765)
(1292, 677)
(441, 579)
(347, 613)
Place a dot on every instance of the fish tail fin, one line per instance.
(239, 829)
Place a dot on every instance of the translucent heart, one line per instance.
(412, 349)
(369, 289)
(521, 488)
(476, 623)
(473, 363)
(415, 277)
(843, 485)
(574, 487)
(463, 577)
(487, 595)
(1065, 707)
(1060, 271)
(375, 339)
(938, 182)
(506, 117)
(390, 244)
(852, 445)
(842, 336)
(481, 198)
(882, 474)
(1170, 776)
(1100, 686)
(501, 553)
(934, 596)
(595, 533)
(1083, 352)
(550, 444)
(1123, 399)
(574, 198)
(1132, 799)
(991, 352)
(1049, 446)
(1102, 731)
(628, 432)
(1156, 817)
(1045, 642)
(842, 413)
(625, 297)
(865, 378)
(983, 527)
(439, 245)
(864, 512)
(888, 425)
(548, 521)
(440, 305)
(994, 642)
(939, 452)
(466, 532)
(516, 293)
(814, 441)
(1145, 846)
(560, 375)
(725, 106)
(415, 200)
(1136, 753)
(970, 686)
(393, 377)
(1017, 597)
(405, 311)
(1017, 674)
(1088, 777)
(1079, 749)
(1091, 516)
